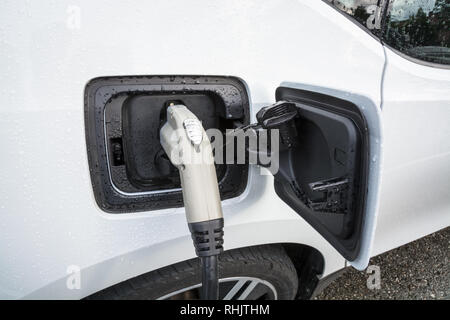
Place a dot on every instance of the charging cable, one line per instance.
(186, 144)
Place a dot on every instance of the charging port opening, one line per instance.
(129, 170)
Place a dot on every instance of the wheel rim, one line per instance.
(233, 288)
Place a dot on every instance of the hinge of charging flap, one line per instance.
(334, 195)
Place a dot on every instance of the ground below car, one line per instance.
(418, 270)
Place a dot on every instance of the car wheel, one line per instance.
(252, 273)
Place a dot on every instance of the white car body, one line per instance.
(49, 220)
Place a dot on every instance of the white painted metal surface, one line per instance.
(49, 50)
(415, 192)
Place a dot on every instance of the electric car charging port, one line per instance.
(129, 170)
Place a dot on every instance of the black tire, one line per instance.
(269, 263)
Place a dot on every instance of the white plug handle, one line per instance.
(185, 142)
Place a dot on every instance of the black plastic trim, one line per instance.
(349, 245)
(100, 91)
(374, 35)
(417, 61)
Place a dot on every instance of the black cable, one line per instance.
(210, 279)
